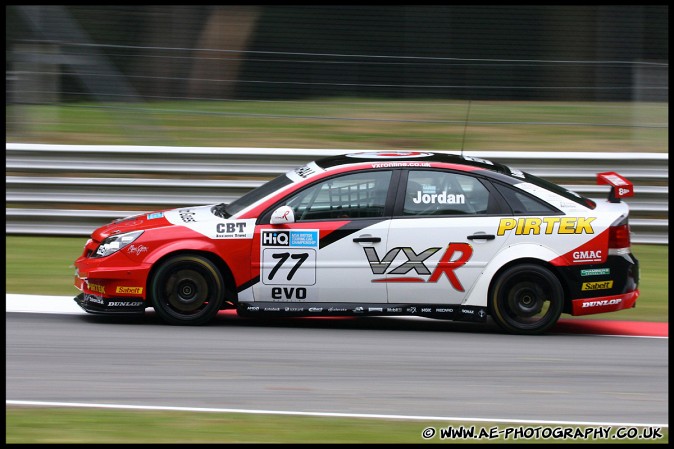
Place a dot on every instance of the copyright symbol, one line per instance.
(428, 433)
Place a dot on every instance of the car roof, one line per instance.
(409, 156)
(493, 170)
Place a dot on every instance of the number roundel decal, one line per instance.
(390, 155)
(288, 270)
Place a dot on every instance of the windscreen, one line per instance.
(257, 194)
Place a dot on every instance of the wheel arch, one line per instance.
(231, 297)
(506, 258)
(535, 261)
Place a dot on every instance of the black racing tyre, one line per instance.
(526, 299)
(187, 290)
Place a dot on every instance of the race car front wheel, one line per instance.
(187, 290)
(526, 299)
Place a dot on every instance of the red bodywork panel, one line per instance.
(621, 187)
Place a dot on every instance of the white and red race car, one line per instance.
(375, 233)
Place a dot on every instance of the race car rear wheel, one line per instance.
(187, 290)
(526, 299)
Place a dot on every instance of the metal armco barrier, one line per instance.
(72, 189)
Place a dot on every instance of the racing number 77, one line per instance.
(301, 257)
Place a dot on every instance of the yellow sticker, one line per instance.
(130, 290)
(603, 285)
(97, 288)
(547, 225)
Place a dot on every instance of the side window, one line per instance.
(358, 195)
(521, 203)
(444, 193)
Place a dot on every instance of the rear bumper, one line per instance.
(600, 288)
(602, 304)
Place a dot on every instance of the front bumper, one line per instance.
(110, 306)
(110, 289)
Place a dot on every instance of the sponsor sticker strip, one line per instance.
(450, 312)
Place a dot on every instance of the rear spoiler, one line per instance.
(620, 187)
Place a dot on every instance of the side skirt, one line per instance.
(282, 309)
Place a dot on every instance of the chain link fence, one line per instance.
(563, 78)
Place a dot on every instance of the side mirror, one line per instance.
(283, 215)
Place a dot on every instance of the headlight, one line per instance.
(114, 243)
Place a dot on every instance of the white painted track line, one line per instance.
(42, 304)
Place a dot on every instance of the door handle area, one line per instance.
(481, 237)
(367, 239)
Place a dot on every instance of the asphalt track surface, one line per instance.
(392, 366)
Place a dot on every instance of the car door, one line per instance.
(441, 237)
(320, 256)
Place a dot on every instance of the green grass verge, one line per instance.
(78, 426)
(44, 266)
(351, 123)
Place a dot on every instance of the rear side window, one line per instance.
(521, 203)
(559, 190)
